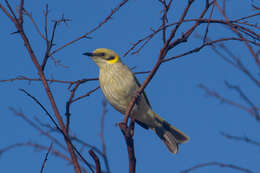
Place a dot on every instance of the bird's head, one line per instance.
(103, 57)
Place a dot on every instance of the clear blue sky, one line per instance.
(173, 92)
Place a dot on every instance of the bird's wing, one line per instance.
(145, 97)
(147, 101)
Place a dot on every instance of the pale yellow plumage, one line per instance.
(119, 84)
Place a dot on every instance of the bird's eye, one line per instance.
(101, 54)
(111, 58)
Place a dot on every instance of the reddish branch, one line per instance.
(96, 159)
(222, 99)
(254, 109)
(19, 27)
(239, 34)
(94, 148)
(38, 147)
(197, 49)
(34, 125)
(72, 99)
(65, 135)
(53, 139)
(34, 23)
(241, 138)
(24, 78)
(128, 133)
(168, 45)
(122, 3)
(234, 23)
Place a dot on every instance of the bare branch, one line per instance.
(95, 158)
(49, 43)
(239, 34)
(65, 134)
(24, 78)
(21, 12)
(31, 123)
(222, 99)
(128, 133)
(34, 24)
(36, 146)
(122, 3)
(254, 109)
(98, 151)
(210, 43)
(240, 138)
(101, 134)
(46, 158)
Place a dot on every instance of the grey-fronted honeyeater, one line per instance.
(119, 85)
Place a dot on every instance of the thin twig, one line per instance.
(65, 135)
(46, 158)
(239, 34)
(222, 99)
(254, 109)
(96, 159)
(38, 147)
(101, 134)
(241, 138)
(107, 18)
(98, 151)
(34, 24)
(31, 123)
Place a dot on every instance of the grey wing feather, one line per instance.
(145, 97)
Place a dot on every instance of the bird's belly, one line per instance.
(119, 93)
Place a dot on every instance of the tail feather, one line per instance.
(170, 135)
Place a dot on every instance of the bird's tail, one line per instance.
(170, 135)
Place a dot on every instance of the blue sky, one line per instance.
(173, 92)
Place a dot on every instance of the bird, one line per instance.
(119, 86)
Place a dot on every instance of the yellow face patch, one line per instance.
(114, 60)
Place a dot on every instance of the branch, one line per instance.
(239, 34)
(235, 61)
(36, 146)
(49, 43)
(222, 99)
(240, 138)
(33, 57)
(34, 24)
(197, 49)
(147, 38)
(254, 109)
(46, 158)
(65, 134)
(122, 3)
(31, 123)
(95, 158)
(21, 12)
(98, 151)
(128, 133)
(101, 134)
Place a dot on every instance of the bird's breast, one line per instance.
(118, 85)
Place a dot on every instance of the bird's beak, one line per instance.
(88, 54)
